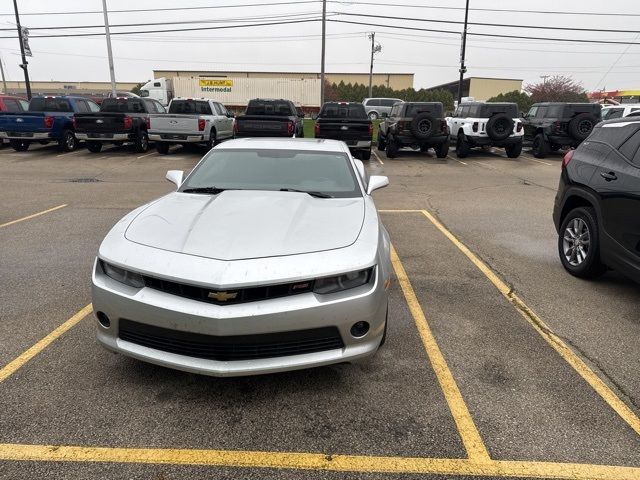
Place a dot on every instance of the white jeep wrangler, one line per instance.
(480, 124)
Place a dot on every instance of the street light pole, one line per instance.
(4, 80)
(24, 63)
(463, 69)
(322, 55)
(373, 47)
(109, 52)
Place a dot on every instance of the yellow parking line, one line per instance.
(375, 154)
(28, 217)
(317, 461)
(552, 339)
(471, 439)
(459, 161)
(20, 361)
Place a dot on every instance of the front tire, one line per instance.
(162, 147)
(462, 146)
(213, 139)
(373, 115)
(392, 149)
(20, 145)
(142, 142)
(514, 150)
(94, 147)
(540, 146)
(579, 244)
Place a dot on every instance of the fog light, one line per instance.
(103, 319)
(359, 329)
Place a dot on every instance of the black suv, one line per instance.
(551, 126)
(597, 207)
(417, 125)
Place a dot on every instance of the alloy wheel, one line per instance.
(576, 242)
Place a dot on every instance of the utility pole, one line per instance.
(544, 78)
(322, 54)
(374, 49)
(4, 80)
(109, 52)
(463, 69)
(24, 63)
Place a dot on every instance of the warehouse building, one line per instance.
(481, 88)
(397, 81)
(90, 89)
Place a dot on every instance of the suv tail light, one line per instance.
(518, 126)
(557, 126)
(48, 122)
(371, 129)
(201, 123)
(147, 122)
(290, 128)
(401, 126)
(444, 128)
(317, 129)
(567, 158)
(74, 122)
(475, 126)
(128, 123)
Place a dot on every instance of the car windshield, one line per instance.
(343, 110)
(123, 105)
(275, 170)
(487, 111)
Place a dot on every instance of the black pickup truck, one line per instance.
(120, 120)
(270, 118)
(348, 122)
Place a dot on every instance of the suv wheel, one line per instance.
(392, 149)
(540, 146)
(382, 144)
(142, 142)
(514, 150)
(462, 146)
(581, 125)
(19, 145)
(579, 244)
(442, 150)
(212, 140)
(373, 115)
(365, 154)
(68, 142)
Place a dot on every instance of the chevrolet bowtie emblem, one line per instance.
(223, 296)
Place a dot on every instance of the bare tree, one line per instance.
(557, 88)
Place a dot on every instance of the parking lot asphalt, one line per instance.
(472, 383)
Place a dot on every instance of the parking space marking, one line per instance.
(68, 154)
(34, 215)
(536, 160)
(146, 155)
(317, 461)
(17, 363)
(469, 434)
(459, 161)
(375, 154)
(608, 395)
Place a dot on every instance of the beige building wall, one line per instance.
(397, 81)
(483, 89)
(68, 88)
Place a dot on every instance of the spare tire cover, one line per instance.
(499, 127)
(581, 125)
(423, 126)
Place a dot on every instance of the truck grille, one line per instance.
(228, 348)
(231, 296)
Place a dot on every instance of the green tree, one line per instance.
(358, 92)
(523, 100)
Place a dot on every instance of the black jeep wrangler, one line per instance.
(551, 126)
(417, 125)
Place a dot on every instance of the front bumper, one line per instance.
(26, 135)
(105, 137)
(177, 137)
(299, 312)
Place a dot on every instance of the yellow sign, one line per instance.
(216, 83)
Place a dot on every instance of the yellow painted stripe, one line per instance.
(552, 339)
(471, 439)
(20, 361)
(317, 461)
(32, 216)
(375, 154)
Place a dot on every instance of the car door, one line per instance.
(225, 122)
(529, 124)
(617, 181)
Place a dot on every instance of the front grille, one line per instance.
(229, 297)
(228, 348)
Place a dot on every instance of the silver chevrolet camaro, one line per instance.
(270, 256)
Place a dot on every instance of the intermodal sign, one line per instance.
(216, 86)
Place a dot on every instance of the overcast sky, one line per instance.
(432, 56)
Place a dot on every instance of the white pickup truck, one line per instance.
(191, 120)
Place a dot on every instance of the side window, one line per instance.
(395, 111)
(542, 112)
(387, 103)
(93, 106)
(532, 112)
(629, 149)
(12, 105)
(614, 113)
(465, 112)
(24, 104)
(474, 111)
(217, 109)
(554, 111)
(458, 112)
(159, 107)
(373, 103)
(223, 109)
(82, 106)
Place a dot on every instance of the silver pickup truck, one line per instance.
(191, 120)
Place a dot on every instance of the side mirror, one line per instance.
(376, 182)
(231, 115)
(384, 115)
(175, 176)
(314, 116)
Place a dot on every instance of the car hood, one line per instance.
(237, 225)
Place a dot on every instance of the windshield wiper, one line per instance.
(313, 194)
(209, 190)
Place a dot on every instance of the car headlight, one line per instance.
(342, 282)
(123, 276)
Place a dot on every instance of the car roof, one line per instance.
(421, 103)
(563, 103)
(625, 120)
(488, 103)
(622, 105)
(313, 144)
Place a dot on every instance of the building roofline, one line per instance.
(288, 73)
(477, 78)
